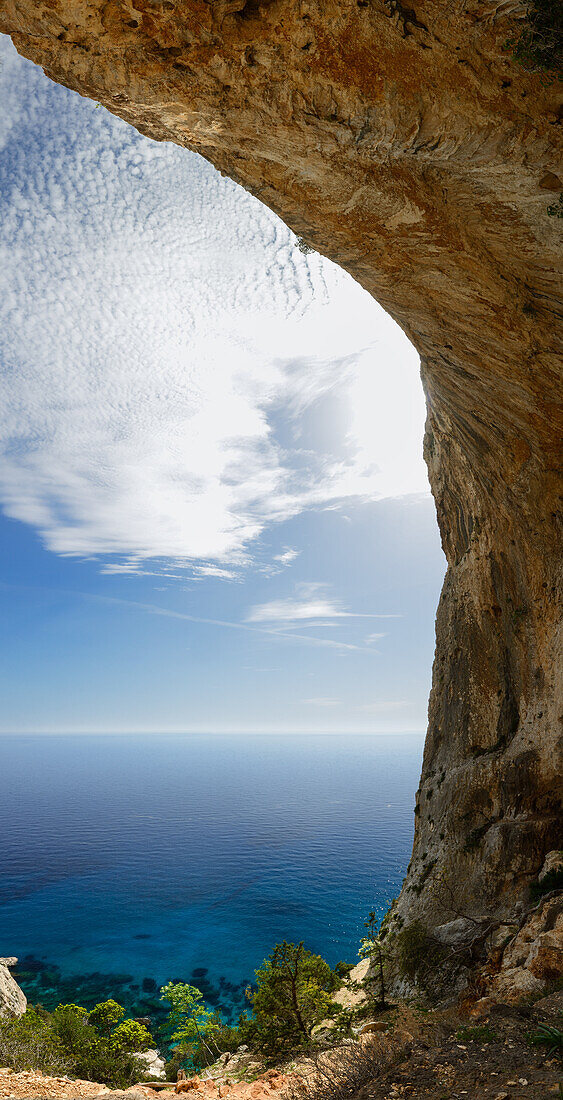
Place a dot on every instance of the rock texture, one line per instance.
(32, 1085)
(152, 1063)
(13, 1001)
(403, 141)
(533, 959)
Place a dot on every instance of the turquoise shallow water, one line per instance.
(127, 861)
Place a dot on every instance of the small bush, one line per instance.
(95, 1046)
(482, 1034)
(552, 881)
(550, 1037)
(339, 1074)
(555, 209)
(416, 952)
(539, 47)
(29, 1042)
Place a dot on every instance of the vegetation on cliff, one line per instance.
(539, 47)
(97, 1045)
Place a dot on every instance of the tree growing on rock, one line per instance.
(373, 947)
(190, 1023)
(293, 994)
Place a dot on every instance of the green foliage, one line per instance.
(105, 1016)
(29, 1042)
(292, 995)
(188, 1018)
(555, 209)
(194, 1031)
(550, 1037)
(130, 1036)
(342, 969)
(100, 1042)
(72, 1040)
(373, 947)
(552, 881)
(482, 1034)
(539, 47)
(416, 952)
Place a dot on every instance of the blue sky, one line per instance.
(215, 514)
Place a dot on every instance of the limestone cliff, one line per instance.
(408, 145)
(12, 999)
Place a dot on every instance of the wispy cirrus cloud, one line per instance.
(312, 602)
(276, 634)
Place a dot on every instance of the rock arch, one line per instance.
(409, 147)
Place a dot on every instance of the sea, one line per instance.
(128, 861)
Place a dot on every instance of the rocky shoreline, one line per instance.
(479, 1044)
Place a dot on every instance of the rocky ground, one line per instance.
(488, 1061)
(483, 1054)
(36, 1086)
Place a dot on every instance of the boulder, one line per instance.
(13, 1001)
(553, 862)
(534, 957)
(371, 1026)
(549, 1009)
(152, 1063)
(516, 984)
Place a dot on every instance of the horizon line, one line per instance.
(206, 732)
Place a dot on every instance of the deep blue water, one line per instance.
(138, 859)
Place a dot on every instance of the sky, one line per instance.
(215, 515)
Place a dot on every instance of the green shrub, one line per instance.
(375, 948)
(105, 1016)
(197, 1034)
(482, 1034)
(550, 1037)
(552, 881)
(94, 1046)
(29, 1042)
(555, 209)
(293, 994)
(100, 1043)
(539, 47)
(416, 952)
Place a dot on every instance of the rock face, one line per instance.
(534, 958)
(403, 141)
(13, 1001)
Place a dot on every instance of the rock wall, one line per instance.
(406, 144)
(13, 1001)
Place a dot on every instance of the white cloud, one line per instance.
(275, 634)
(311, 602)
(178, 375)
(287, 556)
(214, 571)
